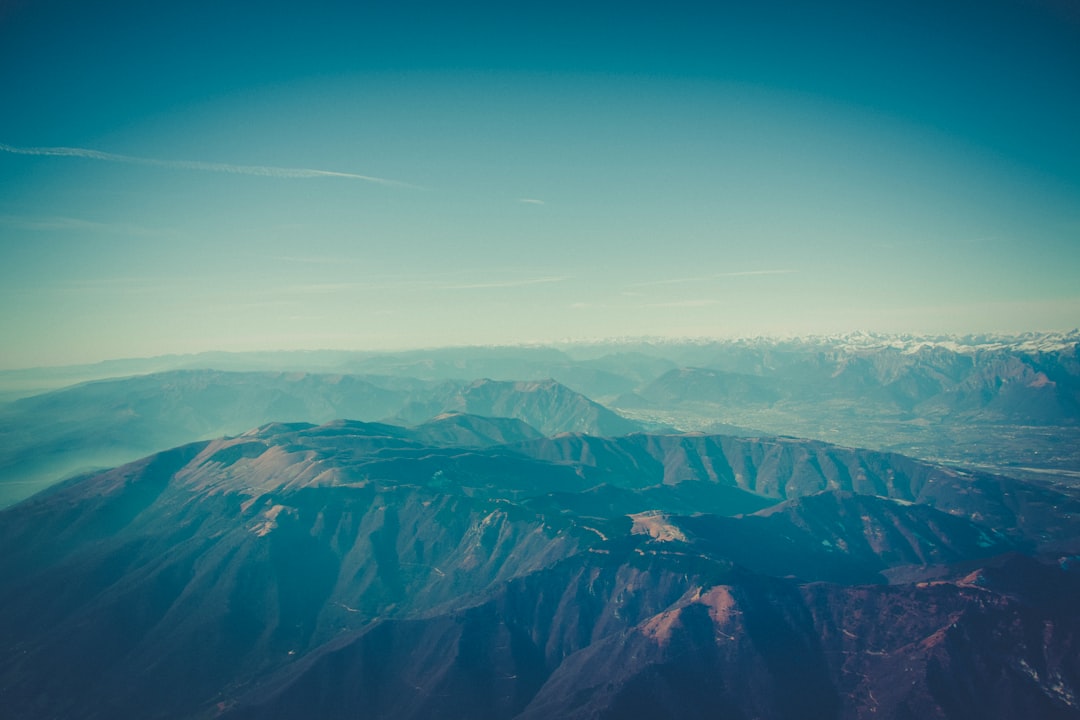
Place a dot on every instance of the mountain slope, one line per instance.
(352, 568)
(459, 429)
(782, 468)
(763, 648)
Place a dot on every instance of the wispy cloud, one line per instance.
(744, 273)
(505, 283)
(531, 201)
(669, 281)
(257, 170)
(113, 285)
(699, 279)
(315, 259)
(328, 288)
(56, 222)
(683, 304)
(624, 306)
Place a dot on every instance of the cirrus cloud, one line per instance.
(257, 170)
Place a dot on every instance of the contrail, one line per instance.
(259, 170)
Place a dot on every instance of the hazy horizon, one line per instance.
(911, 339)
(202, 178)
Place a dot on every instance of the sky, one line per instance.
(241, 176)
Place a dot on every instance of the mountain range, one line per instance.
(107, 422)
(368, 569)
(850, 527)
(1004, 404)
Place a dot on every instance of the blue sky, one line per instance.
(239, 176)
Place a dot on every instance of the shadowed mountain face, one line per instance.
(365, 569)
(459, 429)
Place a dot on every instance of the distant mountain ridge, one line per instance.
(102, 423)
(548, 406)
(853, 340)
(1010, 405)
(930, 382)
(611, 360)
